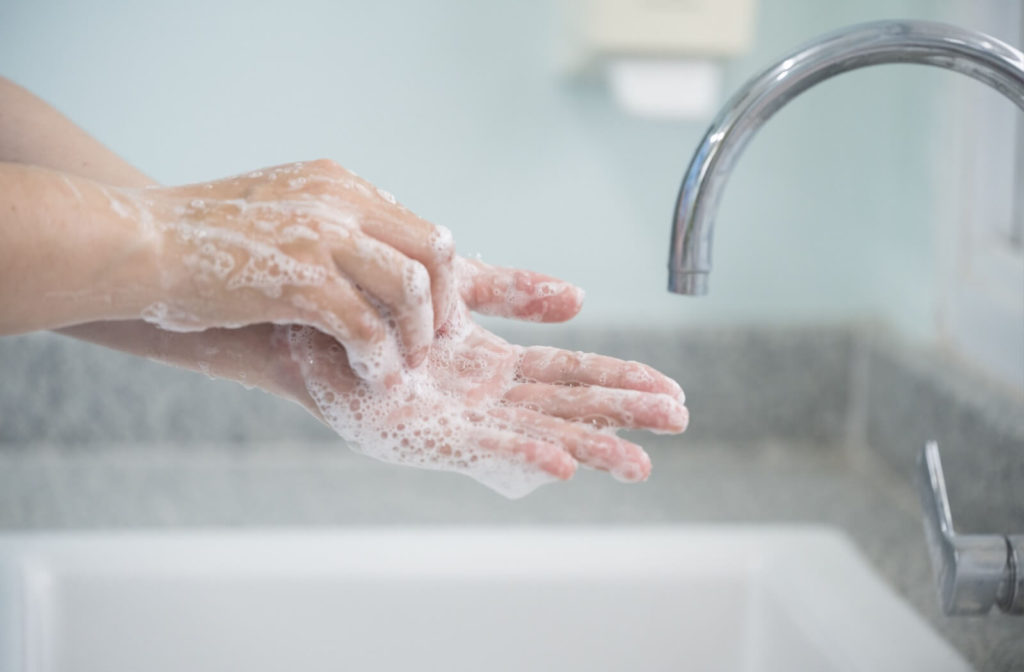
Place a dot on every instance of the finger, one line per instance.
(553, 365)
(418, 239)
(549, 457)
(625, 461)
(510, 292)
(398, 282)
(603, 406)
(342, 312)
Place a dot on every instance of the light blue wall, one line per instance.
(455, 106)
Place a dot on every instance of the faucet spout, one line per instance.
(974, 54)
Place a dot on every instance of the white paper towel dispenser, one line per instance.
(661, 58)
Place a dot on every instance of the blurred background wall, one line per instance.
(460, 110)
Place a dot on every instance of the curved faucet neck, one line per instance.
(974, 54)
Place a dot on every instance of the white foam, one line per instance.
(363, 189)
(209, 262)
(423, 420)
(121, 206)
(74, 190)
(296, 231)
(266, 267)
(442, 242)
(416, 283)
(171, 318)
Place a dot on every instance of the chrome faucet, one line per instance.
(975, 572)
(974, 54)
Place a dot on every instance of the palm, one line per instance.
(511, 417)
(479, 368)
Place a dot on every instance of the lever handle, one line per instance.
(974, 571)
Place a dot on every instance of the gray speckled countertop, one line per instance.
(302, 484)
(805, 426)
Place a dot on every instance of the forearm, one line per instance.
(71, 251)
(34, 133)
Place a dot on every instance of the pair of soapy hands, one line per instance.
(313, 246)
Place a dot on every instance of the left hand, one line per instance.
(484, 407)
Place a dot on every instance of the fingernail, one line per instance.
(677, 389)
(682, 418)
(633, 472)
(679, 418)
(561, 466)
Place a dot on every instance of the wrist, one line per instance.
(71, 251)
(132, 273)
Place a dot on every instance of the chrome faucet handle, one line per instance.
(974, 571)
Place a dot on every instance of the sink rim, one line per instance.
(795, 564)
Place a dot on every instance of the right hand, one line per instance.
(304, 243)
(511, 417)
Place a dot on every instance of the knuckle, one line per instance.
(362, 324)
(325, 165)
(567, 362)
(368, 327)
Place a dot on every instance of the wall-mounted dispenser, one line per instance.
(661, 58)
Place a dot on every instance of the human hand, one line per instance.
(510, 417)
(304, 243)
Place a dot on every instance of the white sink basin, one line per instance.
(454, 599)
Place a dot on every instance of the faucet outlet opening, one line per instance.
(687, 282)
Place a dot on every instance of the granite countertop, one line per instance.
(157, 486)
